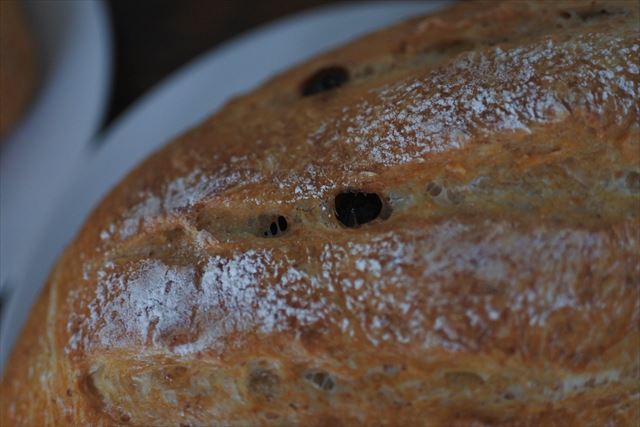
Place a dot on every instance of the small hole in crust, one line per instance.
(564, 14)
(354, 208)
(264, 383)
(434, 189)
(632, 181)
(321, 380)
(463, 379)
(393, 368)
(455, 197)
(593, 14)
(276, 227)
(282, 223)
(324, 80)
(89, 388)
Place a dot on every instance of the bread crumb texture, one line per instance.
(435, 225)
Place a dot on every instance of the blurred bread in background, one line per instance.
(18, 64)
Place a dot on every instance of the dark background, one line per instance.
(153, 38)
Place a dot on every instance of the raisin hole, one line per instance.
(357, 208)
(276, 227)
(325, 79)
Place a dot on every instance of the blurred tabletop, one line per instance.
(153, 38)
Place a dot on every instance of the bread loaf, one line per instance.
(18, 64)
(435, 225)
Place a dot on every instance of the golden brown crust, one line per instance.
(497, 287)
(18, 70)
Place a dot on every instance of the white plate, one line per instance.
(188, 97)
(38, 156)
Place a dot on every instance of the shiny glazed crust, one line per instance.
(18, 70)
(497, 286)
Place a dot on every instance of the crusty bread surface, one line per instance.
(435, 225)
